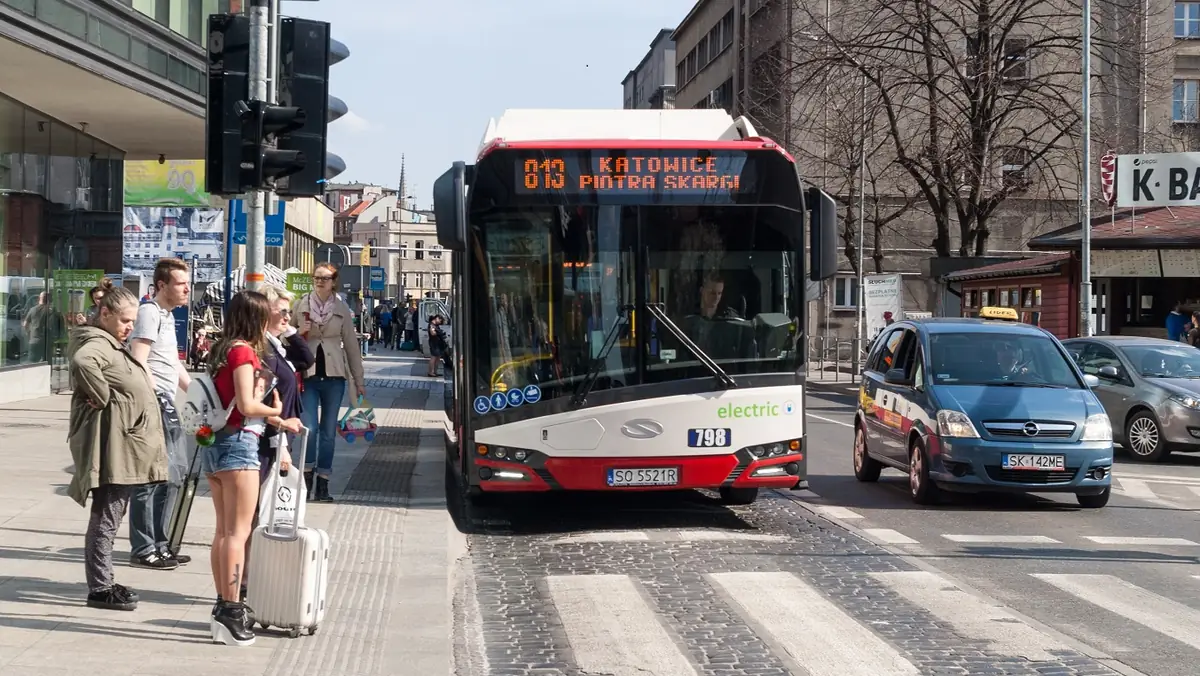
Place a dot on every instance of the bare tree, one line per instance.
(979, 99)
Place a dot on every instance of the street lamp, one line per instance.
(1085, 193)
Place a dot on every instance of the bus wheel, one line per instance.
(738, 496)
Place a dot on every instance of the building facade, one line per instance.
(651, 84)
(404, 243)
(85, 86)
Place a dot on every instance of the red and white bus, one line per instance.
(629, 304)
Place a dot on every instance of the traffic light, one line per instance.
(265, 127)
(305, 54)
(228, 90)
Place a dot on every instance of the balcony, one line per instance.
(137, 84)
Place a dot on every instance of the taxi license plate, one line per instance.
(1035, 462)
(644, 476)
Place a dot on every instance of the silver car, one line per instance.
(1150, 388)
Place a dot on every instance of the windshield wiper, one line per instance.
(610, 339)
(1022, 383)
(724, 378)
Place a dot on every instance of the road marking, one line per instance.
(835, 512)
(604, 536)
(819, 635)
(888, 536)
(972, 616)
(1136, 488)
(1148, 609)
(1157, 478)
(1195, 489)
(1148, 542)
(706, 535)
(1003, 539)
(612, 629)
(830, 420)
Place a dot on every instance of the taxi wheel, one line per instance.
(1143, 438)
(866, 468)
(1094, 501)
(920, 486)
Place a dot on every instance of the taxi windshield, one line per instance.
(997, 358)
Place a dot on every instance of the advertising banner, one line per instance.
(882, 295)
(175, 183)
(1158, 180)
(71, 289)
(299, 283)
(196, 235)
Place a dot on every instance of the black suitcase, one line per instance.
(183, 502)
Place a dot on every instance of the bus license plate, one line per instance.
(709, 437)
(644, 476)
(1035, 462)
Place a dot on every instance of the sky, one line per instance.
(424, 76)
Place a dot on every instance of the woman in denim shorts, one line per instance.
(231, 463)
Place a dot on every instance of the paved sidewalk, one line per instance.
(389, 593)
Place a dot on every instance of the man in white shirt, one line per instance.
(154, 344)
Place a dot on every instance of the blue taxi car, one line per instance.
(975, 405)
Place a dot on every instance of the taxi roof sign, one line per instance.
(1002, 313)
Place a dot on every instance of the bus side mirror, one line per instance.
(450, 206)
(822, 235)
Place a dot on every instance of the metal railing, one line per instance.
(832, 361)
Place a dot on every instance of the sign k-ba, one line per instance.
(1158, 180)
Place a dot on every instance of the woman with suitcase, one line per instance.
(231, 463)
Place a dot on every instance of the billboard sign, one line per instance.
(173, 183)
(882, 295)
(1158, 180)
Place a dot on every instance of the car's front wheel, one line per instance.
(866, 468)
(921, 487)
(1094, 501)
(1143, 438)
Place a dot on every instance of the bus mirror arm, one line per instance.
(610, 339)
(724, 378)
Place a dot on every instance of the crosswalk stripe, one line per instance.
(820, 637)
(717, 535)
(612, 629)
(888, 536)
(1159, 478)
(1195, 489)
(1003, 539)
(605, 536)
(971, 616)
(1148, 609)
(1140, 541)
(836, 512)
(1135, 488)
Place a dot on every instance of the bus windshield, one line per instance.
(552, 283)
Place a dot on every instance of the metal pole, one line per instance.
(860, 328)
(256, 217)
(230, 216)
(1085, 193)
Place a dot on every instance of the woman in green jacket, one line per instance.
(116, 437)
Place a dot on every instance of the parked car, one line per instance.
(974, 405)
(1150, 388)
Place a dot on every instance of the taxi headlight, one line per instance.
(955, 424)
(1097, 428)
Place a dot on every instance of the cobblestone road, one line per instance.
(682, 585)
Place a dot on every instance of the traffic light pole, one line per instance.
(256, 213)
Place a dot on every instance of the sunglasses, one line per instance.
(322, 278)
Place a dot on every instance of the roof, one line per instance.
(662, 33)
(972, 325)
(356, 209)
(1149, 228)
(688, 19)
(573, 124)
(1021, 267)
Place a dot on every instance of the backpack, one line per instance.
(203, 406)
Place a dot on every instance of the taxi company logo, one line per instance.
(641, 428)
(1031, 429)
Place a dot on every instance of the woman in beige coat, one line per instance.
(116, 437)
(326, 323)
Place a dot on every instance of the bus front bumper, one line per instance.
(539, 472)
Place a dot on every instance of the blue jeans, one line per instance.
(322, 399)
(150, 508)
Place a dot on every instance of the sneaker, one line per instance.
(153, 561)
(181, 559)
(127, 592)
(230, 626)
(113, 598)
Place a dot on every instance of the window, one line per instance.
(1016, 60)
(403, 250)
(1187, 20)
(1184, 100)
(986, 358)
(727, 29)
(435, 252)
(418, 254)
(845, 293)
(1096, 357)
(1014, 165)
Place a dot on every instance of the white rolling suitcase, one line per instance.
(289, 562)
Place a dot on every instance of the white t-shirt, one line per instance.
(158, 326)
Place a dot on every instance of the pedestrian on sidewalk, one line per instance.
(231, 463)
(327, 323)
(286, 354)
(115, 435)
(154, 344)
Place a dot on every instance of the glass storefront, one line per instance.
(60, 211)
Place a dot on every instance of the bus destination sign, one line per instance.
(629, 172)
